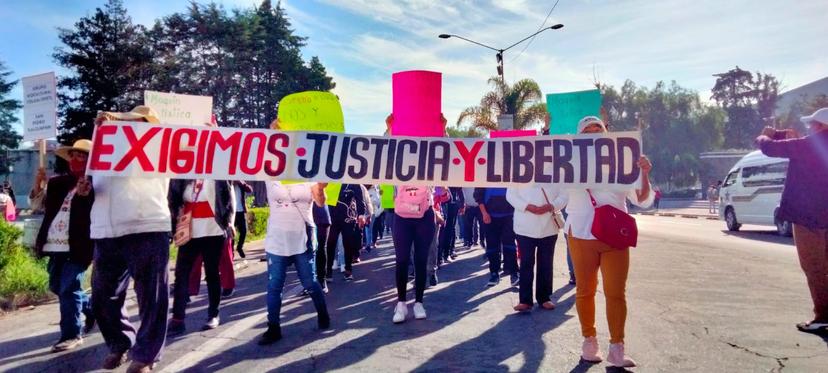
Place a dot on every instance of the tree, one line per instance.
(9, 139)
(110, 63)
(522, 99)
(749, 100)
(462, 132)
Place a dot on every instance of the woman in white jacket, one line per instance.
(589, 255)
(536, 230)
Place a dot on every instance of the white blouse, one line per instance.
(291, 211)
(582, 213)
(204, 227)
(529, 224)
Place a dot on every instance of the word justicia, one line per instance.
(137, 149)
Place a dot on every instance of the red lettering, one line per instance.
(273, 148)
(232, 143)
(202, 141)
(179, 154)
(165, 150)
(468, 157)
(245, 153)
(99, 148)
(136, 149)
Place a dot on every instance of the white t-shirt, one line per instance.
(531, 225)
(582, 213)
(204, 227)
(291, 211)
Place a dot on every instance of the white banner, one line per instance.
(189, 152)
(39, 106)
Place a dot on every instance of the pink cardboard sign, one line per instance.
(417, 103)
(512, 133)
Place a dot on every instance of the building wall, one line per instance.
(715, 166)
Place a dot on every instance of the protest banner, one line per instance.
(599, 161)
(417, 103)
(567, 109)
(313, 111)
(176, 108)
(39, 106)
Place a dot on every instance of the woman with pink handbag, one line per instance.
(600, 233)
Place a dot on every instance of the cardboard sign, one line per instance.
(311, 111)
(598, 161)
(39, 106)
(417, 103)
(567, 109)
(174, 108)
(387, 196)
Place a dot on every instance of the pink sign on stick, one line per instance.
(417, 103)
(512, 133)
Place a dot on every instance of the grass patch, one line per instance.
(23, 278)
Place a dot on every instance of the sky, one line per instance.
(362, 42)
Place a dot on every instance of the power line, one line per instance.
(539, 28)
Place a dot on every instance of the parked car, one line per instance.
(751, 193)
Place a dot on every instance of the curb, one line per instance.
(671, 214)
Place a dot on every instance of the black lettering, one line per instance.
(423, 161)
(523, 167)
(389, 166)
(491, 173)
(562, 160)
(583, 148)
(378, 143)
(442, 160)
(635, 148)
(318, 139)
(355, 154)
(337, 173)
(541, 159)
(408, 173)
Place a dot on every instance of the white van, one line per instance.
(751, 192)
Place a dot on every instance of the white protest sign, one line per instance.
(39, 106)
(174, 108)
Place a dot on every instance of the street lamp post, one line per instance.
(505, 120)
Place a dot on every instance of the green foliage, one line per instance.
(676, 127)
(9, 139)
(749, 100)
(805, 105)
(110, 61)
(22, 277)
(257, 226)
(522, 99)
(463, 132)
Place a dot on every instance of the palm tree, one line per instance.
(522, 99)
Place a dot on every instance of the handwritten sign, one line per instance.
(417, 103)
(39, 106)
(387, 196)
(174, 108)
(311, 111)
(567, 109)
(598, 161)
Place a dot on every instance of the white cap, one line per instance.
(584, 123)
(820, 116)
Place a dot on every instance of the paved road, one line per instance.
(700, 299)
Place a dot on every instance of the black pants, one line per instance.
(420, 233)
(449, 231)
(473, 225)
(351, 239)
(379, 227)
(532, 251)
(321, 254)
(500, 237)
(241, 230)
(210, 249)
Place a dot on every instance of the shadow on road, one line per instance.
(769, 236)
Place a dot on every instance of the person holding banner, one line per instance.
(130, 225)
(290, 239)
(536, 224)
(64, 238)
(209, 207)
(347, 220)
(414, 226)
(497, 215)
(589, 255)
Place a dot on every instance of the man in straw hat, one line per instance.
(131, 229)
(805, 204)
(64, 238)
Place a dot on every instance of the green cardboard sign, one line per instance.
(567, 109)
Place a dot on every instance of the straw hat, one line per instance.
(80, 145)
(142, 113)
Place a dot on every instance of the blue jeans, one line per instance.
(276, 272)
(65, 278)
(369, 232)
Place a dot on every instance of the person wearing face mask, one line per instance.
(805, 204)
(64, 238)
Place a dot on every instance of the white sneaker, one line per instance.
(400, 312)
(419, 311)
(590, 351)
(617, 358)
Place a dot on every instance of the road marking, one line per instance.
(214, 344)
